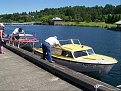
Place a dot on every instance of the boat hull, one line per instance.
(25, 46)
(99, 69)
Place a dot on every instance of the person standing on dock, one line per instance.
(46, 47)
(1, 36)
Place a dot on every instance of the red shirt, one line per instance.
(1, 31)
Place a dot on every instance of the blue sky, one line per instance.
(14, 6)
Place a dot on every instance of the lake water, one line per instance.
(103, 41)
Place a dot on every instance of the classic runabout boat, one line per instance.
(25, 41)
(80, 57)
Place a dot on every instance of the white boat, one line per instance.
(80, 57)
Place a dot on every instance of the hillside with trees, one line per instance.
(108, 14)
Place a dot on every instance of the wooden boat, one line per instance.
(80, 57)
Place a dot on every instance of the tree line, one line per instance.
(108, 14)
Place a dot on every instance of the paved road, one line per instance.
(16, 73)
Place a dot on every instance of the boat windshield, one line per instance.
(70, 41)
(83, 53)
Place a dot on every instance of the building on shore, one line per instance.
(118, 23)
(56, 21)
(117, 28)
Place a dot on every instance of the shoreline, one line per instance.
(91, 24)
(82, 24)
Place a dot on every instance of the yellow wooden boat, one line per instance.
(80, 57)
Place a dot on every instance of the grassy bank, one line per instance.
(91, 24)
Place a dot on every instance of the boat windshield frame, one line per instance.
(70, 41)
(76, 41)
(90, 53)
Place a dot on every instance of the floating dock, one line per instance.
(32, 73)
